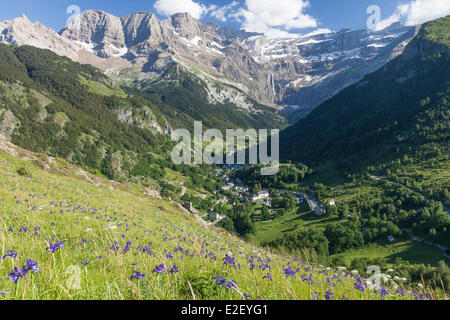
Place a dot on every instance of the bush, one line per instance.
(24, 172)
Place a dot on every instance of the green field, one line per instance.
(102, 89)
(290, 222)
(405, 249)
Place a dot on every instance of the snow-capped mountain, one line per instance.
(237, 66)
(308, 70)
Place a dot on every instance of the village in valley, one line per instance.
(234, 190)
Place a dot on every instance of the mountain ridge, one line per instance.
(301, 72)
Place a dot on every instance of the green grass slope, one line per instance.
(67, 234)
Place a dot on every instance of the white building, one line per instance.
(260, 196)
(214, 215)
(228, 187)
(224, 199)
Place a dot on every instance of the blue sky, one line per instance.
(288, 16)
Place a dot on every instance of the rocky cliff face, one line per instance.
(97, 31)
(299, 72)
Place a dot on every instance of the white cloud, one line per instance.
(417, 12)
(274, 18)
(220, 13)
(383, 24)
(171, 7)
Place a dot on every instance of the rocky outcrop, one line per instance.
(125, 116)
(6, 146)
(8, 123)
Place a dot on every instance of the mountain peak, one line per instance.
(139, 15)
(97, 14)
(183, 19)
(146, 13)
(96, 11)
(97, 27)
(21, 19)
(183, 15)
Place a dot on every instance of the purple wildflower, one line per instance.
(55, 247)
(30, 266)
(15, 274)
(400, 292)
(137, 275)
(246, 296)
(60, 244)
(384, 292)
(174, 269)
(220, 280)
(160, 269)
(289, 271)
(329, 295)
(265, 266)
(307, 278)
(359, 285)
(268, 276)
(10, 253)
(231, 285)
(227, 260)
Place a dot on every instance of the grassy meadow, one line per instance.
(66, 234)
